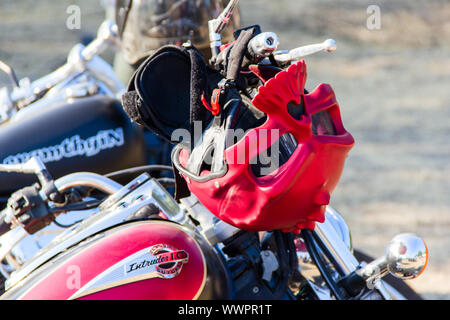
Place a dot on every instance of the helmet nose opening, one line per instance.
(322, 124)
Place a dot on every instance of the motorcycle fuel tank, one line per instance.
(152, 259)
(87, 134)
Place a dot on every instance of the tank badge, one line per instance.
(162, 259)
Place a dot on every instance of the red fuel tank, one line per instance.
(154, 260)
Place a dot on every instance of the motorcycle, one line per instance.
(138, 242)
(80, 102)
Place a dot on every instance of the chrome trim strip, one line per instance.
(88, 179)
(392, 292)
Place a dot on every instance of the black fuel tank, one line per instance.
(87, 134)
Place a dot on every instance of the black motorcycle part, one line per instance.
(87, 134)
(30, 209)
(313, 249)
(256, 28)
(149, 211)
(245, 265)
(165, 93)
(353, 284)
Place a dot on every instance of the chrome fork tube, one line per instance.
(341, 254)
(337, 248)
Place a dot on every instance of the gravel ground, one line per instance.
(392, 85)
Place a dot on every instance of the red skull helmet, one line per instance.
(295, 195)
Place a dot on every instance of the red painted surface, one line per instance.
(106, 252)
(295, 195)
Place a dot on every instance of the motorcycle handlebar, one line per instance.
(85, 179)
(107, 34)
(258, 48)
(265, 44)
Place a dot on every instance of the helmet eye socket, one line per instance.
(296, 110)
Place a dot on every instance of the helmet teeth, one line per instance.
(311, 225)
(295, 230)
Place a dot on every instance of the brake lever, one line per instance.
(284, 57)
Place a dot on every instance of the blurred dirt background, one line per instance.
(393, 85)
